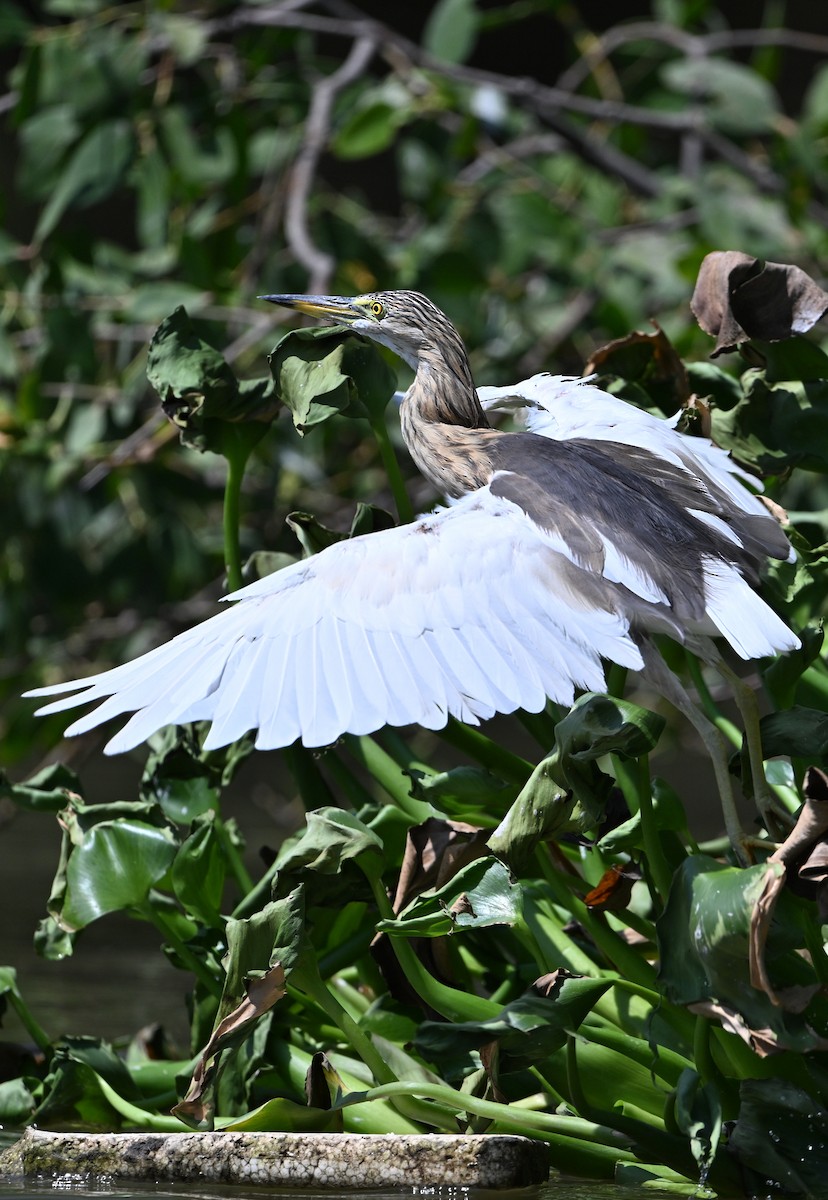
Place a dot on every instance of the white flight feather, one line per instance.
(458, 613)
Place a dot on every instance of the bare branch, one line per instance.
(319, 264)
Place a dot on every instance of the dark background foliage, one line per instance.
(550, 181)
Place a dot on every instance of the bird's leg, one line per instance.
(670, 687)
(777, 819)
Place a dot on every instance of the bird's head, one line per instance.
(406, 322)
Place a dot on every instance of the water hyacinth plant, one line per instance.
(494, 943)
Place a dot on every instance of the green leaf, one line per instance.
(480, 895)
(369, 131)
(635, 1176)
(471, 794)
(283, 1115)
(46, 791)
(16, 1103)
(180, 778)
(331, 838)
(795, 358)
(451, 30)
(781, 1138)
(703, 938)
(114, 868)
(596, 726)
(784, 673)
(777, 426)
(738, 100)
(199, 391)
(698, 1113)
(797, 733)
(93, 171)
(541, 810)
(320, 373)
(527, 1030)
(198, 872)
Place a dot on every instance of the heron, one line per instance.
(563, 546)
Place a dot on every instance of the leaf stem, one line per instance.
(208, 980)
(236, 451)
(405, 510)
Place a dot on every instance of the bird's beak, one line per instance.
(334, 308)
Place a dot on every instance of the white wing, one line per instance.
(565, 406)
(466, 612)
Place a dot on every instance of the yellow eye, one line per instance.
(377, 309)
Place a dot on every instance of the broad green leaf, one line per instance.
(784, 673)
(480, 895)
(796, 358)
(541, 810)
(703, 939)
(815, 104)
(596, 726)
(331, 838)
(199, 870)
(781, 1138)
(92, 172)
(199, 391)
(710, 382)
(797, 732)
(658, 1178)
(275, 934)
(777, 426)
(180, 778)
(114, 868)
(470, 794)
(16, 1102)
(698, 1113)
(322, 372)
(451, 30)
(286, 1116)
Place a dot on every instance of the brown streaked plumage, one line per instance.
(566, 545)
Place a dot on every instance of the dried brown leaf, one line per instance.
(738, 297)
(261, 995)
(614, 889)
(762, 1041)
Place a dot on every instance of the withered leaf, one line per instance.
(738, 297)
(613, 891)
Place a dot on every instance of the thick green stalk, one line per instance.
(388, 774)
(237, 453)
(405, 510)
(523, 1120)
(510, 767)
(234, 860)
(307, 979)
(151, 913)
(638, 775)
(35, 1031)
(709, 706)
(448, 1001)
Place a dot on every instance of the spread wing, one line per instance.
(466, 612)
(564, 407)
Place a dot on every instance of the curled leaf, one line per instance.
(738, 297)
(200, 393)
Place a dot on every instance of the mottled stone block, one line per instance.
(325, 1161)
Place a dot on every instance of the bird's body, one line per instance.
(564, 545)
